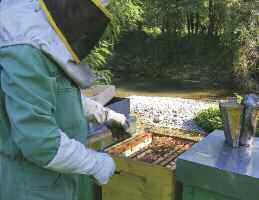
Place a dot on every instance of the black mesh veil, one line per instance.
(81, 22)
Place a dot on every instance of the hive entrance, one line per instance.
(153, 148)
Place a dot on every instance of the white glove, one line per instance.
(106, 168)
(95, 111)
(114, 117)
(73, 157)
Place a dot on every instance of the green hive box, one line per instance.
(212, 170)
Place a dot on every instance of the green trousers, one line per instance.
(37, 100)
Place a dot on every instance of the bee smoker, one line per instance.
(232, 115)
(249, 122)
(240, 120)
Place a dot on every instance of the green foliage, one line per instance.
(209, 119)
(150, 53)
(127, 14)
(239, 98)
(241, 29)
(97, 61)
(152, 32)
(212, 40)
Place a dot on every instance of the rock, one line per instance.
(157, 119)
(169, 112)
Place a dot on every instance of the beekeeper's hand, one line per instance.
(73, 157)
(117, 118)
(94, 111)
(105, 168)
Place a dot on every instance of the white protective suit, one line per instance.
(23, 22)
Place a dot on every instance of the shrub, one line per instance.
(97, 60)
(209, 119)
(126, 16)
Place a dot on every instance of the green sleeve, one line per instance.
(30, 95)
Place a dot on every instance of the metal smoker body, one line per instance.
(232, 115)
(249, 120)
(240, 120)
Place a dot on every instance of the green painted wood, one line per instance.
(196, 193)
(140, 181)
(187, 193)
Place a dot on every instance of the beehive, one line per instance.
(146, 168)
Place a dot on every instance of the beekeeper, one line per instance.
(42, 112)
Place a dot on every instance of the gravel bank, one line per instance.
(175, 113)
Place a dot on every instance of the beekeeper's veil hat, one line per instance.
(79, 23)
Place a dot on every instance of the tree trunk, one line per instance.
(197, 24)
(211, 18)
